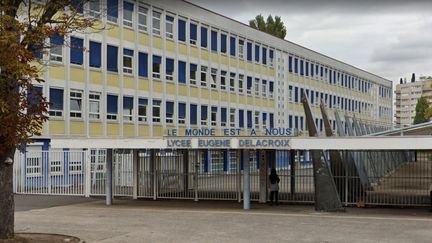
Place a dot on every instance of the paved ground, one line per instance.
(223, 221)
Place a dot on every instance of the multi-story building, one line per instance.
(407, 95)
(157, 65)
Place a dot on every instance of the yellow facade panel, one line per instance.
(170, 46)
(250, 101)
(128, 130)
(113, 129)
(95, 129)
(205, 94)
(157, 131)
(129, 35)
(96, 77)
(214, 95)
(233, 98)
(58, 72)
(113, 80)
(242, 64)
(144, 131)
(257, 68)
(170, 88)
(158, 86)
(157, 42)
(204, 54)
(77, 74)
(224, 60)
(129, 82)
(182, 49)
(144, 84)
(242, 99)
(265, 71)
(250, 67)
(194, 52)
(214, 57)
(113, 31)
(224, 96)
(233, 62)
(77, 128)
(182, 90)
(258, 102)
(143, 39)
(194, 92)
(57, 127)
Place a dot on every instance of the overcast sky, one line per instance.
(390, 38)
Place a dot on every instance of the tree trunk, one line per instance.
(7, 206)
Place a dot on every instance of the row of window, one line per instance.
(331, 101)
(173, 112)
(217, 78)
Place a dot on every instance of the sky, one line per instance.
(390, 38)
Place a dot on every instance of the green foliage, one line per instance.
(421, 108)
(272, 26)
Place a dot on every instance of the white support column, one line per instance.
(239, 191)
(246, 180)
(135, 170)
(109, 177)
(87, 173)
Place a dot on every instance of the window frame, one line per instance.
(95, 98)
(75, 94)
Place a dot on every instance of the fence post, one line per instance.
(154, 170)
(135, 173)
(109, 177)
(246, 180)
(47, 160)
(238, 158)
(87, 173)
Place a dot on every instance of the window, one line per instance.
(76, 103)
(271, 89)
(257, 53)
(181, 113)
(204, 115)
(112, 10)
(223, 80)
(214, 78)
(169, 69)
(223, 116)
(271, 60)
(232, 46)
(76, 51)
(264, 88)
(156, 23)
(94, 8)
(127, 60)
(192, 33)
(203, 37)
(271, 120)
(193, 114)
(127, 108)
(241, 49)
(56, 48)
(307, 68)
(142, 110)
(94, 105)
(142, 18)
(56, 102)
(295, 65)
(301, 68)
(157, 60)
(56, 163)
(257, 83)
(112, 58)
(95, 54)
(249, 85)
(214, 44)
(223, 41)
(240, 83)
(264, 120)
(156, 110)
(232, 82)
(181, 30)
(193, 74)
(257, 115)
(112, 107)
(78, 6)
(249, 51)
(128, 13)
(249, 119)
(75, 163)
(203, 76)
(290, 69)
(241, 118)
(169, 112)
(213, 116)
(169, 27)
(264, 56)
(290, 93)
(181, 72)
(142, 64)
(232, 117)
(34, 164)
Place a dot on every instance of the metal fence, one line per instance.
(368, 177)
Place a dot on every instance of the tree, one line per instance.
(413, 78)
(25, 28)
(421, 108)
(274, 26)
